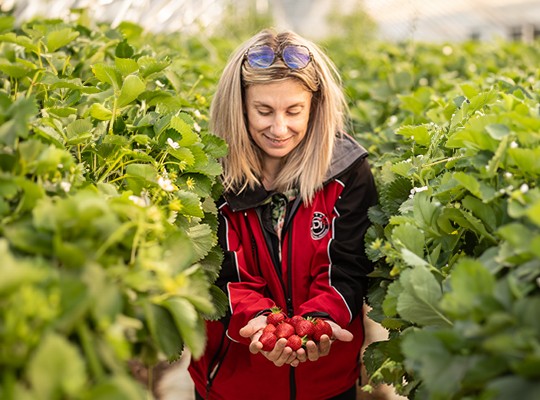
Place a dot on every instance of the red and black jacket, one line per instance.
(323, 272)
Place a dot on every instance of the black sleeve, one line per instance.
(347, 252)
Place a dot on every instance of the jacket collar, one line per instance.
(346, 152)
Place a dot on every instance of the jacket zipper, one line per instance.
(212, 372)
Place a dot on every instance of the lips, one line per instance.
(277, 141)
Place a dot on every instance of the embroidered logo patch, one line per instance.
(319, 226)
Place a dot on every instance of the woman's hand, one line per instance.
(280, 355)
(315, 351)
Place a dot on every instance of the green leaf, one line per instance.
(527, 160)
(99, 111)
(126, 66)
(214, 146)
(425, 211)
(149, 65)
(79, 131)
(202, 239)
(471, 294)
(124, 50)
(117, 387)
(107, 74)
(6, 23)
(220, 301)
(56, 369)
(497, 131)
(420, 134)
(188, 136)
(419, 301)
(440, 371)
(59, 38)
(196, 290)
(389, 304)
(534, 213)
(189, 323)
(144, 171)
(132, 87)
(410, 237)
(190, 204)
(477, 188)
(163, 330)
(394, 194)
(514, 387)
(16, 273)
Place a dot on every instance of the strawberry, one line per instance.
(321, 328)
(294, 320)
(295, 342)
(268, 341)
(305, 327)
(284, 330)
(276, 316)
(269, 328)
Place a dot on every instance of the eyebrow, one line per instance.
(261, 104)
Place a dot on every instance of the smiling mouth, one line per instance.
(276, 140)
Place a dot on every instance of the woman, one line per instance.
(292, 222)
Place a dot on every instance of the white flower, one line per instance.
(66, 186)
(392, 120)
(524, 188)
(508, 175)
(447, 50)
(172, 143)
(159, 83)
(514, 145)
(165, 184)
(417, 190)
(197, 114)
(196, 127)
(140, 201)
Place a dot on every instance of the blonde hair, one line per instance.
(306, 166)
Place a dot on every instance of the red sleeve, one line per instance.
(238, 278)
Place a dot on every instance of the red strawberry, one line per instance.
(305, 328)
(268, 341)
(321, 328)
(276, 316)
(269, 328)
(295, 319)
(284, 330)
(295, 342)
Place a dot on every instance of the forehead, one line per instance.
(287, 92)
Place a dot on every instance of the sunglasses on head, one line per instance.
(263, 56)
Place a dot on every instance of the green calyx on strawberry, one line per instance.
(305, 327)
(276, 316)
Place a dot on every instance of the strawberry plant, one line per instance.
(108, 224)
(454, 133)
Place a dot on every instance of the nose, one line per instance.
(279, 125)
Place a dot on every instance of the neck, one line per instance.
(270, 172)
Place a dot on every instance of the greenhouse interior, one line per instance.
(114, 200)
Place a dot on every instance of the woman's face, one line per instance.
(278, 116)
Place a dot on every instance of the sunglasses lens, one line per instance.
(296, 57)
(260, 56)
